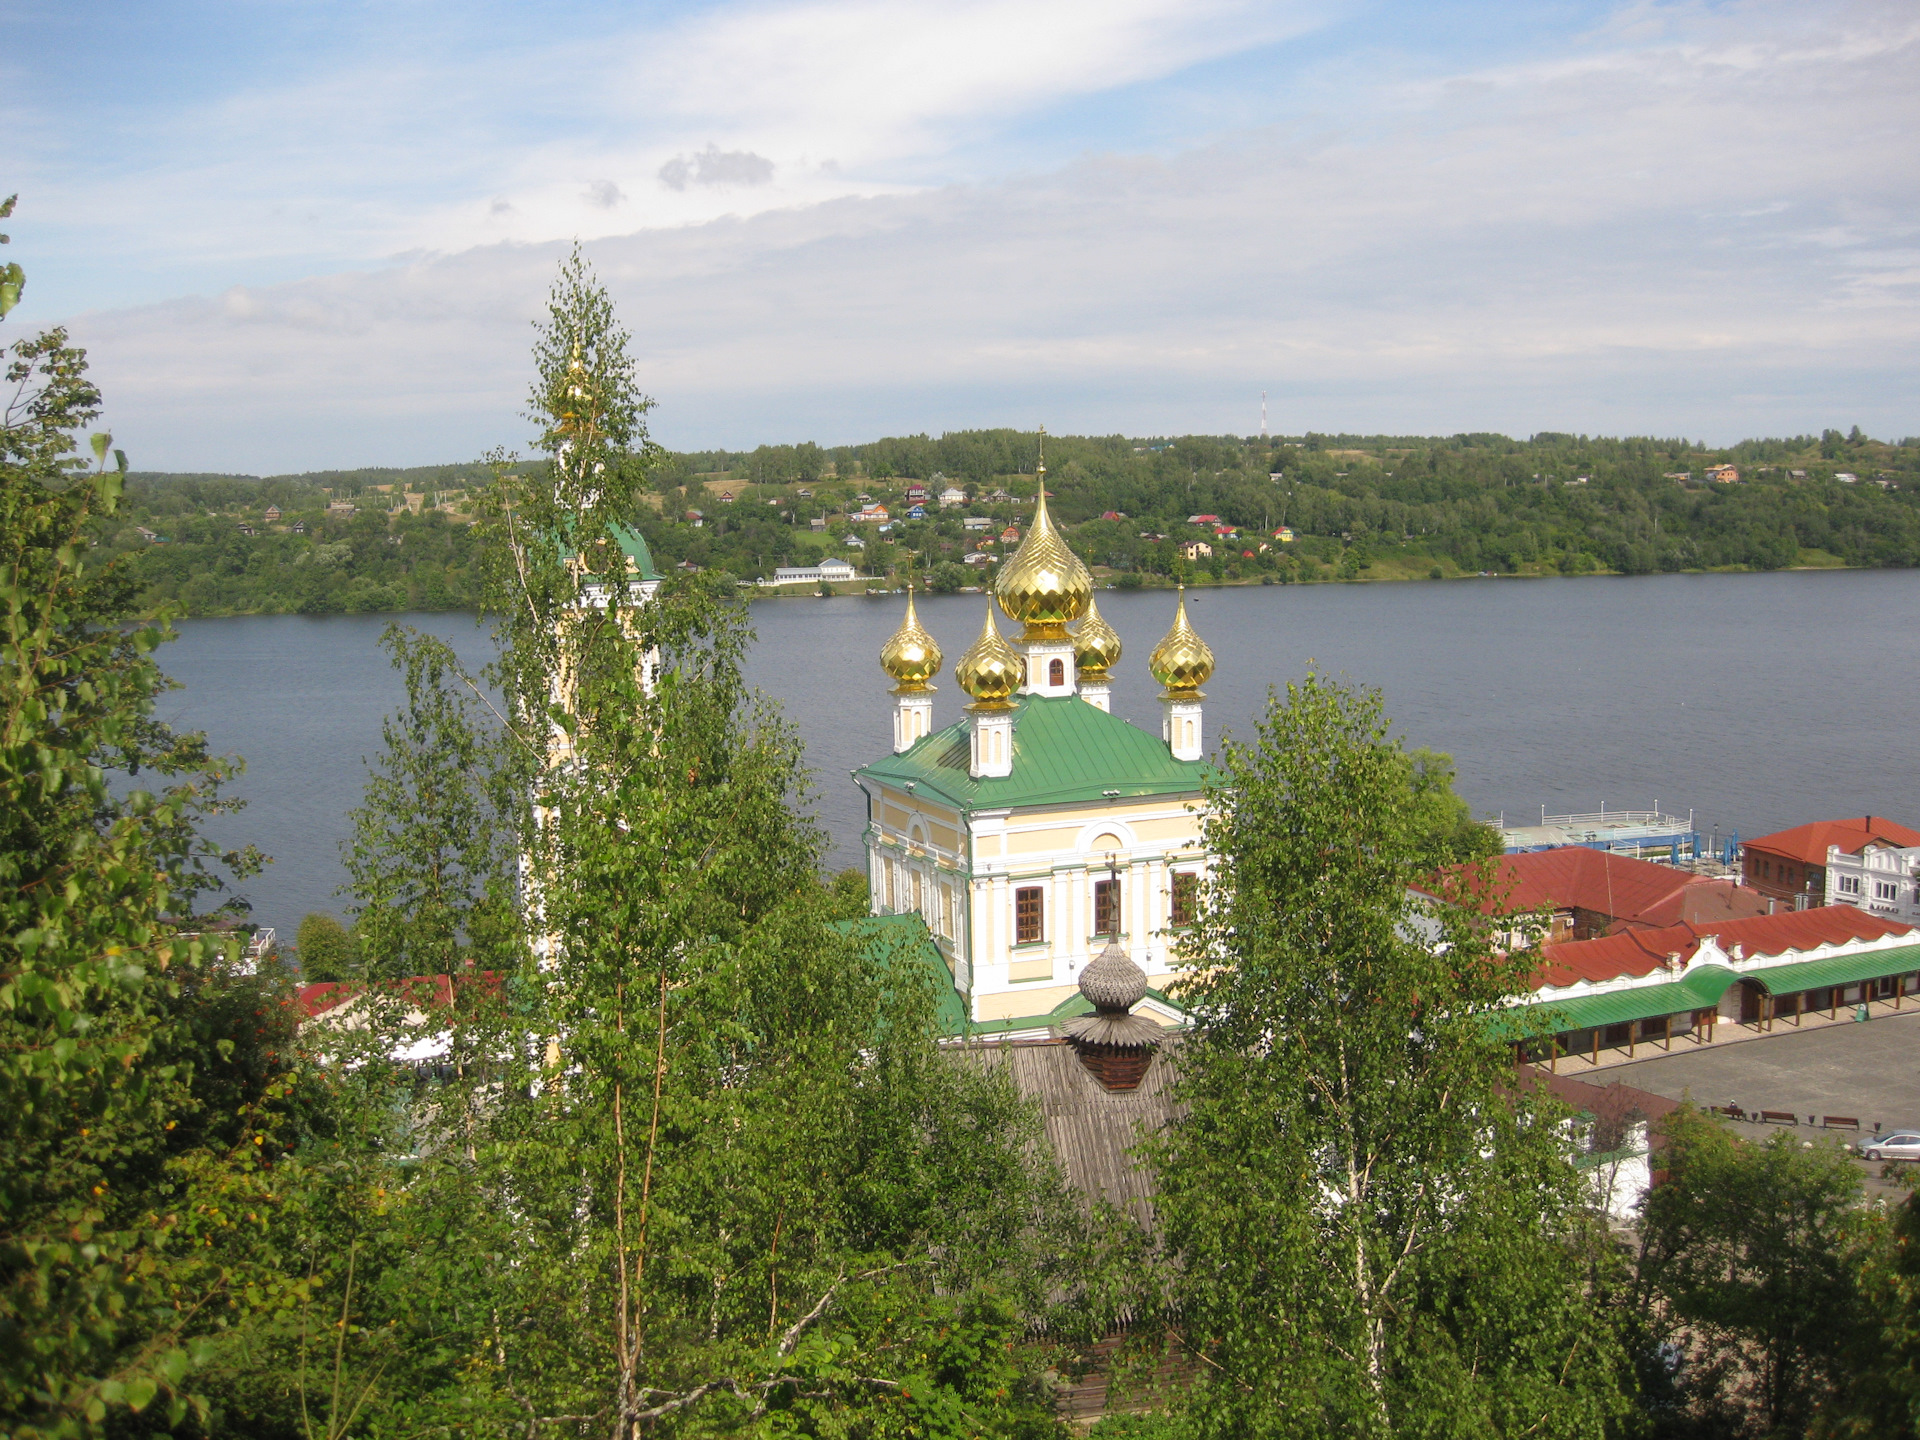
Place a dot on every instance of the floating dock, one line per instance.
(1641, 834)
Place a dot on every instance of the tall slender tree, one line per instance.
(1377, 1229)
(99, 887)
(430, 862)
(698, 1163)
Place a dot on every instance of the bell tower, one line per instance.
(911, 657)
(1182, 663)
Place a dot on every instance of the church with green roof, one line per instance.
(1041, 828)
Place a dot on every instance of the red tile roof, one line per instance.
(1809, 842)
(1612, 1105)
(320, 997)
(1705, 903)
(1641, 952)
(1576, 876)
(432, 992)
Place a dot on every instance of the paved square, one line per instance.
(1869, 1070)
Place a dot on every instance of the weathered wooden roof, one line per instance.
(1090, 1128)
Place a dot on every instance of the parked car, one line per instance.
(1900, 1145)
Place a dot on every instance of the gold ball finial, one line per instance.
(990, 670)
(1096, 644)
(1044, 587)
(911, 655)
(1181, 661)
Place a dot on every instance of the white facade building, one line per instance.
(1882, 878)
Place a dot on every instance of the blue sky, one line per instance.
(296, 235)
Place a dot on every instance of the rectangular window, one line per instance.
(1106, 907)
(1029, 915)
(1849, 884)
(1186, 898)
(1885, 890)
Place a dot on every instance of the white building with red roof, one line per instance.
(1792, 864)
(1884, 879)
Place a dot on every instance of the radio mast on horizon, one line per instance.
(1263, 415)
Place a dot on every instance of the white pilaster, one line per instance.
(1180, 725)
(992, 756)
(1077, 922)
(912, 717)
(1046, 660)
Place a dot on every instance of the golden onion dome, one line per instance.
(991, 670)
(911, 655)
(1096, 645)
(1181, 661)
(1044, 585)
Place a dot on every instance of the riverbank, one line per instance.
(1396, 570)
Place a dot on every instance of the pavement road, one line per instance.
(1869, 1070)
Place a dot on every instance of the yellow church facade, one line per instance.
(1041, 827)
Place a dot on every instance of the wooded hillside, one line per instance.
(1358, 507)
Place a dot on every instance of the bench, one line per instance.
(1779, 1117)
(1732, 1112)
(1840, 1122)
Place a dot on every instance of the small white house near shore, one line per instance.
(832, 570)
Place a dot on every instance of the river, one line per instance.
(1755, 701)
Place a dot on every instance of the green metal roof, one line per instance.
(1699, 991)
(1840, 970)
(1702, 990)
(904, 941)
(1064, 751)
(634, 546)
(1074, 1004)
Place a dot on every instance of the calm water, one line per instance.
(1756, 701)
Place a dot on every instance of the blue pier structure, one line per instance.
(1642, 834)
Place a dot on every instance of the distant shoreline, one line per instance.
(1156, 582)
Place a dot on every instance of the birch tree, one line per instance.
(1378, 1232)
(703, 1167)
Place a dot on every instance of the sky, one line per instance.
(296, 235)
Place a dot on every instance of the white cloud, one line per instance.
(419, 142)
(714, 166)
(1701, 224)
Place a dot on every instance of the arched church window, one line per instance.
(1056, 672)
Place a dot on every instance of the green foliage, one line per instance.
(946, 578)
(1150, 1426)
(1442, 826)
(694, 1164)
(850, 894)
(1360, 506)
(325, 950)
(101, 1187)
(1748, 1256)
(1879, 1389)
(338, 563)
(430, 862)
(1375, 1234)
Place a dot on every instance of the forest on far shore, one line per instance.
(1352, 508)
